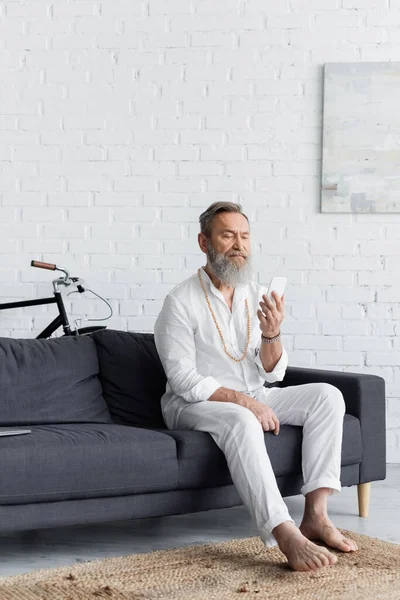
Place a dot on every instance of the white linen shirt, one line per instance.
(191, 350)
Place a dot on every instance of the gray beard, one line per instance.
(231, 272)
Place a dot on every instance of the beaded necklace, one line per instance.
(218, 327)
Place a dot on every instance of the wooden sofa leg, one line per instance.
(364, 490)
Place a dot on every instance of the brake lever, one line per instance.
(79, 285)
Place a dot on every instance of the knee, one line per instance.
(245, 421)
(239, 425)
(331, 396)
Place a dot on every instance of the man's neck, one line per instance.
(226, 290)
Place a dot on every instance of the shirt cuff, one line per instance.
(202, 390)
(278, 372)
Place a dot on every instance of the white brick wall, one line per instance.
(120, 122)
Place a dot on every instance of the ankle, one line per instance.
(315, 514)
(284, 532)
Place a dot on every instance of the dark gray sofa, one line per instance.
(99, 449)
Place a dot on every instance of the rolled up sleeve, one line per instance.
(278, 372)
(174, 340)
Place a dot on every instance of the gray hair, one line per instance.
(206, 218)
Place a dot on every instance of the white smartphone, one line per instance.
(277, 285)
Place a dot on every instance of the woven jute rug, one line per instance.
(241, 568)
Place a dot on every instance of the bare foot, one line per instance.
(301, 553)
(322, 528)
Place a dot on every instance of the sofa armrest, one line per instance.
(364, 396)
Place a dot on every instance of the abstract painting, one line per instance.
(361, 138)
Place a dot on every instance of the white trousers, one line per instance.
(318, 407)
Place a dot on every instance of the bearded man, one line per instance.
(217, 357)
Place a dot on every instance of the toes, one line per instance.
(326, 552)
(311, 565)
(331, 558)
(352, 545)
(324, 560)
(318, 561)
(346, 545)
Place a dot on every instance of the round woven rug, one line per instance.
(241, 568)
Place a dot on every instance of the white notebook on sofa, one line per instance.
(6, 431)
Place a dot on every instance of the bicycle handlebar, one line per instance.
(43, 265)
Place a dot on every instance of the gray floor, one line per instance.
(42, 549)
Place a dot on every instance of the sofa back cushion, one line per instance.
(50, 381)
(132, 377)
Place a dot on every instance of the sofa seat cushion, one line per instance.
(202, 463)
(50, 381)
(85, 460)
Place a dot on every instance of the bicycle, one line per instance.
(62, 318)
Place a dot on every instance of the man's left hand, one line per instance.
(271, 315)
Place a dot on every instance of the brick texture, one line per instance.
(120, 122)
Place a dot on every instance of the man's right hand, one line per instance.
(266, 416)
